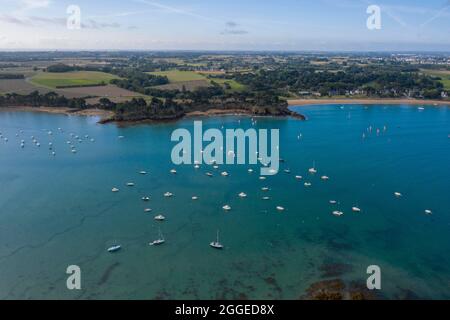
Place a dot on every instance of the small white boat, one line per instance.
(53, 153)
(286, 171)
(279, 208)
(168, 194)
(428, 212)
(356, 209)
(216, 167)
(22, 145)
(250, 170)
(114, 248)
(226, 208)
(160, 218)
(115, 190)
(313, 170)
(421, 108)
(147, 210)
(242, 195)
(298, 177)
(308, 184)
(216, 244)
(398, 194)
(265, 189)
(146, 199)
(120, 137)
(173, 171)
(159, 241)
(130, 184)
(225, 174)
(338, 213)
(325, 178)
(194, 198)
(262, 178)
(197, 166)
(333, 202)
(143, 172)
(266, 198)
(74, 151)
(209, 174)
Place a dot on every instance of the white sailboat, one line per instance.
(313, 170)
(216, 244)
(158, 241)
(338, 213)
(114, 248)
(160, 218)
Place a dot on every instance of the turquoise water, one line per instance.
(57, 211)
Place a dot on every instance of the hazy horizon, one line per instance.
(196, 25)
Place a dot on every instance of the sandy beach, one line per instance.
(303, 102)
(218, 112)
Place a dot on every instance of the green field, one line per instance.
(72, 79)
(443, 74)
(235, 86)
(175, 76)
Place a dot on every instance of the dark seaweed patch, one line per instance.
(107, 274)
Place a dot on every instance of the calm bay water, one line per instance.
(57, 211)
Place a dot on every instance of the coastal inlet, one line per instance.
(357, 186)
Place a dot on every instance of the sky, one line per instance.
(281, 25)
